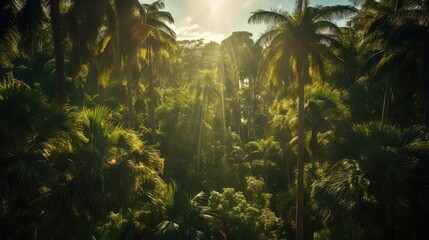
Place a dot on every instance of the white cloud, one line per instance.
(186, 29)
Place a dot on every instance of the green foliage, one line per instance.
(246, 219)
(220, 118)
(187, 218)
(375, 172)
(71, 167)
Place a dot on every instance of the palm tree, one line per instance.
(109, 166)
(294, 44)
(56, 25)
(9, 35)
(394, 33)
(376, 184)
(32, 131)
(158, 40)
(241, 62)
(265, 151)
(113, 23)
(324, 108)
(207, 88)
(23, 27)
(86, 187)
(188, 218)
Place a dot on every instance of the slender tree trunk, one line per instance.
(254, 107)
(151, 89)
(238, 113)
(249, 124)
(77, 96)
(303, 78)
(200, 138)
(222, 78)
(197, 109)
(114, 25)
(200, 129)
(59, 51)
(198, 123)
(250, 108)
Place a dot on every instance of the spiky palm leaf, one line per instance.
(188, 218)
(32, 129)
(376, 169)
(33, 133)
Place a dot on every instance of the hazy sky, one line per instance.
(215, 20)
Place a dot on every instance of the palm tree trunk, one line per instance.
(200, 128)
(304, 76)
(114, 25)
(249, 112)
(198, 123)
(59, 51)
(200, 138)
(238, 112)
(151, 89)
(222, 78)
(254, 107)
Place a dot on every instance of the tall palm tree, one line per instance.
(158, 42)
(57, 35)
(296, 42)
(207, 88)
(241, 59)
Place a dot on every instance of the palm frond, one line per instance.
(160, 25)
(345, 182)
(9, 34)
(329, 13)
(385, 157)
(30, 23)
(273, 17)
(163, 16)
(167, 230)
(323, 26)
(266, 37)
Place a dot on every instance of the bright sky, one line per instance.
(215, 20)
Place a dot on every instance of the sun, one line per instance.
(215, 5)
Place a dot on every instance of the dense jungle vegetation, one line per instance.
(110, 128)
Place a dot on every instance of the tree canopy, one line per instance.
(113, 127)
